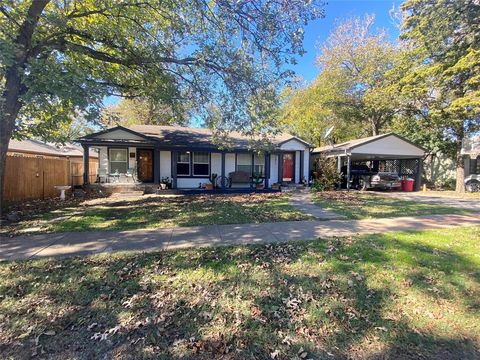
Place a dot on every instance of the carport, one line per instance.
(387, 152)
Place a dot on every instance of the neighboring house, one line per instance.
(189, 156)
(34, 168)
(471, 151)
(37, 147)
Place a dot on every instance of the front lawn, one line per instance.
(365, 205)
(151, 212)
(396, 295)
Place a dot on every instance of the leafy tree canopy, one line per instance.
(60, 58)
(129, 111)
(441, 82)
(352, 90)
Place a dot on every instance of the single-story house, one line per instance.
(388, 152)
(189, 156)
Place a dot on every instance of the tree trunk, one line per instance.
(8, 113)
(460, 163)
(10, 102)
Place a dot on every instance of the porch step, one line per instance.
(292, 187)
(128, 193)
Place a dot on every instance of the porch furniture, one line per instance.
(102, 176)
(239, 177)
(115, 176)
(131, 174)
(223, 180)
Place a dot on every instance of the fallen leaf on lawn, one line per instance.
(49, 333)
(274, 354)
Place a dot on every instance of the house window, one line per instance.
(183, 163)
(259, 164)
(118, 161)
(201, 164)
(244, 163)
(475, 165)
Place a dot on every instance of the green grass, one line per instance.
(357, 205)
(397, 295)
(162, 212)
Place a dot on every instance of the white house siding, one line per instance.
(297, 146)
(229, 163)
(103, 158)
(165, 164)
(120, 135)
(216, 164)
(273, 169)
(191, 182)
(390, 145)
(306, 164)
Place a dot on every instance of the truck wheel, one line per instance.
(473, 186)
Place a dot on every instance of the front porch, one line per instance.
(170, 161)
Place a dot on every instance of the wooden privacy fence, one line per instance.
(35, 177)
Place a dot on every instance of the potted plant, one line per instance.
(212, 180)
(165, 183)
(258, 181)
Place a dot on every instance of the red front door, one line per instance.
(288, 167)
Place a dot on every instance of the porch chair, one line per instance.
(102, 176)
(131, 173)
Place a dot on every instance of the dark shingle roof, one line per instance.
(41, 148)
(176, 136)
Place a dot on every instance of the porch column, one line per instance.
(86, 169)
(349, 165)
(280, 167)
(156, 166)
(418, 175)
(302, 154)
(267, 169)
(339, 164)
(174, 168)
(223, 170)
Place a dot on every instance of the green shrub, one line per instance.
(325, 174)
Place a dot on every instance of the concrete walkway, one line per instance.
(92, 242)
(303, 201)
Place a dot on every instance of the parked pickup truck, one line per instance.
(363, 178)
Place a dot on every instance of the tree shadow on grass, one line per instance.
(323, 297)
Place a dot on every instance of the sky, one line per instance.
(317, 31)
(337, 10)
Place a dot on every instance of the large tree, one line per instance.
(60, 58)
(129, 111)
(443, 75)
(352, 89)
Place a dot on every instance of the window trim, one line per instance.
(110, 159)
(189, 163)
(192, 157)
(252, 163)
